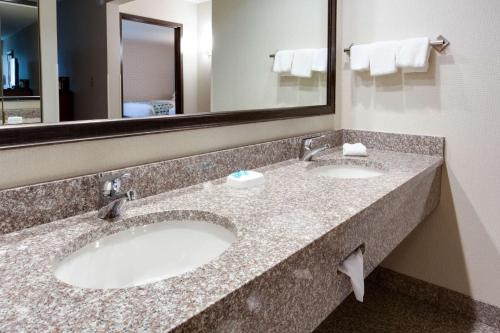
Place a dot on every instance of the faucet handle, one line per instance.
(111, 184)
(306, 142)
(131, 195)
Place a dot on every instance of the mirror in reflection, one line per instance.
(20, 63)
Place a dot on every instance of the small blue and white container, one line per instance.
(245, 179)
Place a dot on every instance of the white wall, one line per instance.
(114, 60)
(204, 56)
(48, 60)
(245, 33)
(178, 11)
(458, 247)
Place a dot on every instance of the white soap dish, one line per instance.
(245, 179)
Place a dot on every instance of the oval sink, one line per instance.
(145, 254)
(346, 171)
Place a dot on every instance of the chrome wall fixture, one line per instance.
(439, 44)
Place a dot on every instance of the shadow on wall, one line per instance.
(384, 92)
(297, 91)
(441, 232)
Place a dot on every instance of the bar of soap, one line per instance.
(245, 179)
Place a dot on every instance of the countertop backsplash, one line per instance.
(32, 205)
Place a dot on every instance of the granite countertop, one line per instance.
(273, 222)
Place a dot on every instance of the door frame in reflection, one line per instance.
(179, 86)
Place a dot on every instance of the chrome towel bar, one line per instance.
(439, 44)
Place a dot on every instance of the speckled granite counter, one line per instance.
(279, 276)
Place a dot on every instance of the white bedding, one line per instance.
(142, 109)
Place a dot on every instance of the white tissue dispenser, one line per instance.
(353, 267)
(245, 179)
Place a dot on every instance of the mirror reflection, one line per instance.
(147, 58)
(20, 63)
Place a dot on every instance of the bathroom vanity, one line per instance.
(278, 274)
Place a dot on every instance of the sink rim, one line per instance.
(362, 162)
(111, 228)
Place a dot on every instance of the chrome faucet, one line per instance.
(111, 199)
(306, 151)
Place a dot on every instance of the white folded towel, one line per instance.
(302, 63)
(413, 55)
(320, 61)
(357, 149)
(383, 58)
(283, 61)
(360, 57)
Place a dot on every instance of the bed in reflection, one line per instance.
(141, 109)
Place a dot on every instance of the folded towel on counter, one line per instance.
(283, 61)
(383, 58)
(360, 57)
(413, 55)
(303, 63)
(357, 149)
(320, 61)
(14, 120)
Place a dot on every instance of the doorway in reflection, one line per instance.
(151, 67)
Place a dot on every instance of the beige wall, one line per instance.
(245, 33)
(33, 165)
(48, 57)
(459, 246)
(114, 60)
(204, 57)
(148, 69)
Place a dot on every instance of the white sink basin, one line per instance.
(145, 254)
(346, 171)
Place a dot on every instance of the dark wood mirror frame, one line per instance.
(20, 136)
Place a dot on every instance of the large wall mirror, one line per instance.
(135, 66)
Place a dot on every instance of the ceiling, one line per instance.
(15, 17)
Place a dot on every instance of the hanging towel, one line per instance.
(320, 62)
(413, 55)
(360, 57)
(383, 58)
(283, 61)
(303, 63)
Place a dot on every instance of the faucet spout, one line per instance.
(306, 151)
(114, 208)
(309, 155)
(111, 198)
